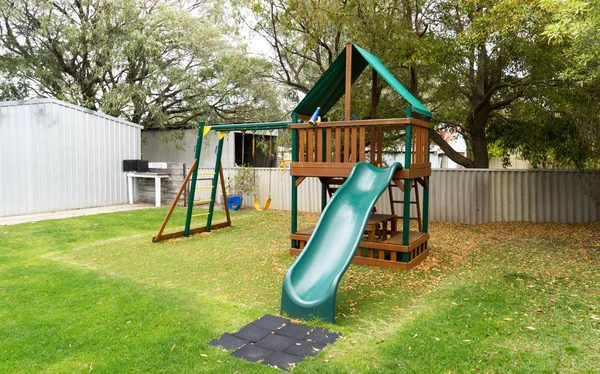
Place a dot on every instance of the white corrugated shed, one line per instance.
(57, 156)
(160, 146)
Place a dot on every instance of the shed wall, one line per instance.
(178, 146)
(57, 156)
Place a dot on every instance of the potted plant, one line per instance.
(242, 183)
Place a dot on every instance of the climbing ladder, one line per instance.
(192, 178)
(416, 201)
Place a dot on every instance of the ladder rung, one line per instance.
(199, 214)
(203, 201)
(204, 179)
(402, 202)
(207, 173)
(204, 187)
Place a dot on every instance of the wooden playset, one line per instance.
(328, 150)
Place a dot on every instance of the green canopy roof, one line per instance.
(330, 87)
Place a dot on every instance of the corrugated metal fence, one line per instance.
(480, 196)
(467, 195)
(57, 156)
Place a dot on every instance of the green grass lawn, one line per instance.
(93, 294)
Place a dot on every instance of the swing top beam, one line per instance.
(252, 126)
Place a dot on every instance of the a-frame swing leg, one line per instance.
(224, 192)
(188, 218)
(158, 236)
(193, 176)
(213, 195)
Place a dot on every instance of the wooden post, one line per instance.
(407, 182)
(391, 196)
(328, 140)
(338, 144)
(324, 158)
(348, 92)
(362, 143)
(309, 146)
(426, 205)
(379, 146)
(374, 98)
(373, 145)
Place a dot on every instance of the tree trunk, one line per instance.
(477, 123)
(479, 145)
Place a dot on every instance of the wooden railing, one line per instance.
(346, 142)
(420, 145)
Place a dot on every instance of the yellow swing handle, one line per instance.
(282, 168)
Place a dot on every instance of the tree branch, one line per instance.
(449, 151)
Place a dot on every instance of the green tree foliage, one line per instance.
(304, 35)
(485, 67)
(574, 28)
(151, 62)
(308, 35)
(495, 58)
(558, 123)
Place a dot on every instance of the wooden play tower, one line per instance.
(329, 150)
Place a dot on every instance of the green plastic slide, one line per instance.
(311, 283)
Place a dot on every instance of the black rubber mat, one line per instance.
(276, 341)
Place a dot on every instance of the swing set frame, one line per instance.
(217, 178)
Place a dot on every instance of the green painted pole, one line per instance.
(407, 182)
(406, 212)
(426, 194)
(294, 217)
(251, 126)
(215, 181)
(408, 141)
(190, 208)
